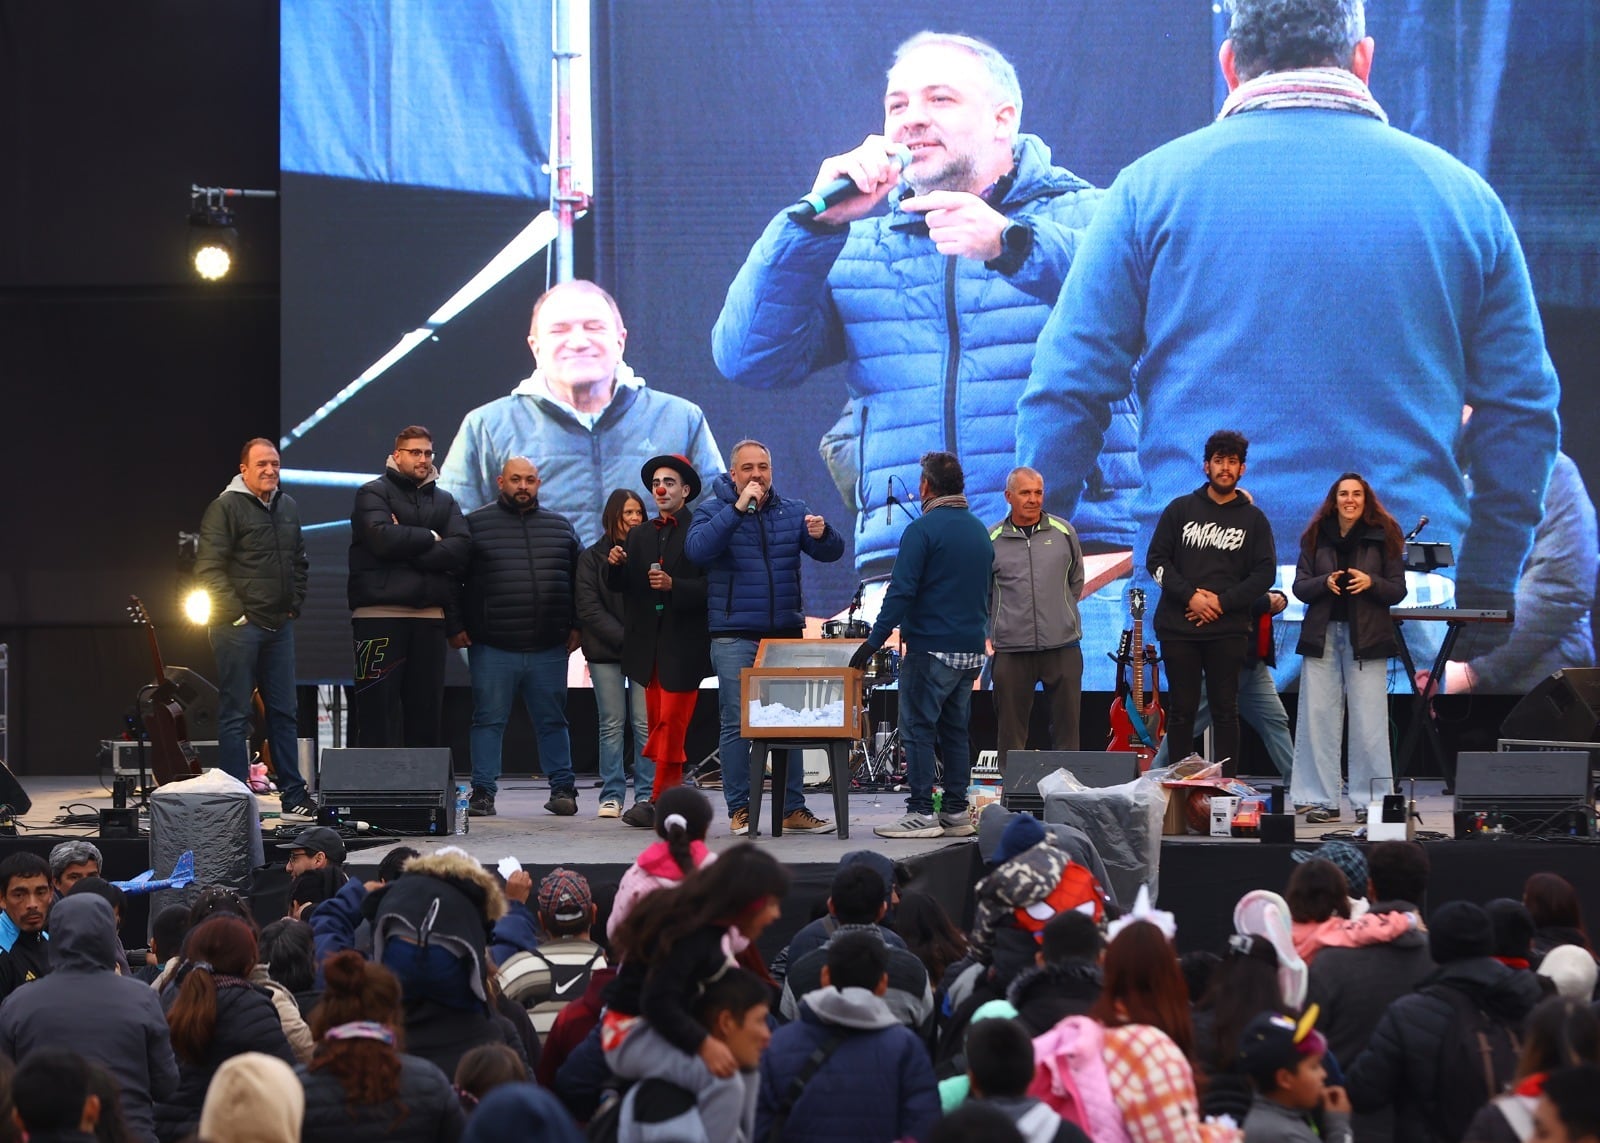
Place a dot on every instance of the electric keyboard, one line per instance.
(1453, 614)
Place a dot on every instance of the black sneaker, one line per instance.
(563, 803)
(481, 804)
(641, 815)
(301, 810)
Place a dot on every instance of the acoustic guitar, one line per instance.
(171, 755)
(1137, 720)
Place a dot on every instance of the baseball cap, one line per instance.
(564, 894)
(1350, 860)
(1275, 1040)
(318, 839)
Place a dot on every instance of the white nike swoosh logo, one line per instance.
(560, 988)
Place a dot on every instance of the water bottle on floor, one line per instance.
(463, 795)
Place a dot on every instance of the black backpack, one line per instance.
(1477, 1060)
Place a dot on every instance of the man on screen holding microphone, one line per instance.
(935, 304)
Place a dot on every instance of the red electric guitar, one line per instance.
(171, 755)
(1131, 696)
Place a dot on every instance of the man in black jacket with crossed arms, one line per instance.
(1213, 556)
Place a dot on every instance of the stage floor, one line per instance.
(1200, 877)
(523, 829)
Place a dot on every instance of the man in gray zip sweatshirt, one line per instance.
(1034, 626)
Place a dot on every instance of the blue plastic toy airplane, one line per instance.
(147, 882)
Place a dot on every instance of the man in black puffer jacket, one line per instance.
(408, 541)
(515, 613)
(1405, 1061)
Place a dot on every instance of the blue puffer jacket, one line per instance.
(939, 346)
(877, 1084)
(752, 560)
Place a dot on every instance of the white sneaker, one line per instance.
(610, 808)
(912, 825)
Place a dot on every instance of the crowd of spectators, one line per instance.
(441, 1001)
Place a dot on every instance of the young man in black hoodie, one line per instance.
(1213, 556)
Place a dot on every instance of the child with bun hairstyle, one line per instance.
(683, 815)
(673, 943)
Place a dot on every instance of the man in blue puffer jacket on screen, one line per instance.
(936, 304)
(749, 540)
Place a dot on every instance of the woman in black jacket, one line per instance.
(217, 1015)
(1350, 574)
(360, 1085)
(600, 619)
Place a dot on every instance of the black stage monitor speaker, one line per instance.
(1560, 777)
(199, 698)
(1563, 708)
(1097, 768)
(13, 798)
(407, 790)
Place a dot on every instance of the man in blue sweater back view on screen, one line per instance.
(939, 598)
(1331, 286)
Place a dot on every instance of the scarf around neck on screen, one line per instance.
(1326, 88)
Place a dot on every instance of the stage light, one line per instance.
(197, 607)
(212, 240)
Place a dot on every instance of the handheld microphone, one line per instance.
(840, 190)
(1422, 522)
(888, 500)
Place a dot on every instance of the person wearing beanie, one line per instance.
(253, 1098)
(1402, 1063)
(994, 819)
(1029, 866)
(1572, 970)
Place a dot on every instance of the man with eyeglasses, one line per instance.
(408, 541)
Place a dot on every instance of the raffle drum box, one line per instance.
(802, 688)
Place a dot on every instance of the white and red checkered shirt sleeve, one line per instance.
(1153, 1085)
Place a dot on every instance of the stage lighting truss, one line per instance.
(213, 239)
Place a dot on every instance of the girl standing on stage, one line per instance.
(1350, 573)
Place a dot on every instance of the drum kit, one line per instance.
(876, 761)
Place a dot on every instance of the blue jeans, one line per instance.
(1327, 687)
(251, 658)
(728, 658)
(616, 699)
(935, 707)
(540, 677)
(1261, 707)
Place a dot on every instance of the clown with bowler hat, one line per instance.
(665, 647)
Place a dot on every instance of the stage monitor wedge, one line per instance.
(1563, 708)
(1094, 768)
(406, 790)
